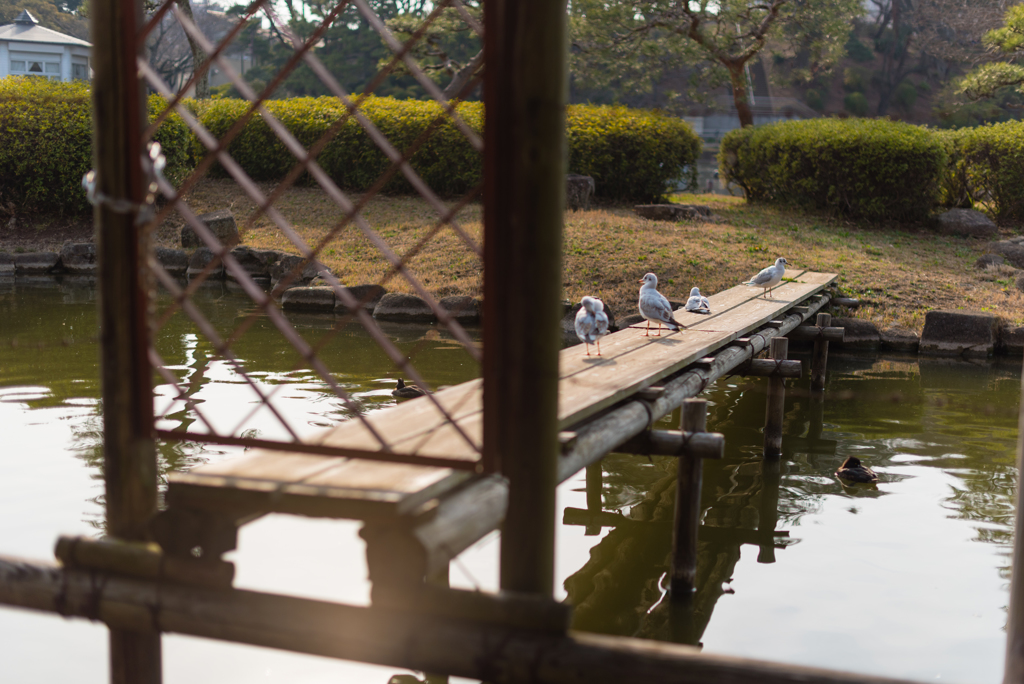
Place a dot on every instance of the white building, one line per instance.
(28, 49)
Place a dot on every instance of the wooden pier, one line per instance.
(419, 517)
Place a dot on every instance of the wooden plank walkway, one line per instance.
(332, 486)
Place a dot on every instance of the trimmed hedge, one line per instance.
(986, 166)
(870, 168)
(633, 155)
(46, 144)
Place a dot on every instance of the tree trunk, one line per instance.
(738, 78)
(202, 82)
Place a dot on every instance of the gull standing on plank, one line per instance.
(591, 322)
(654, 306)
(769, 277)
(697, 303)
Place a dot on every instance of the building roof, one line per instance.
(26, 29)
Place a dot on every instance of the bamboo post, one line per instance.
(129, 461)
(524, 202)
(687, 511)
(1014, 669)
(776, 402)
(595, 478)
(819, 358)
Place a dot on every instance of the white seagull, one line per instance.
(697, 303)
(769, 277)
(654, 306)
(591, 323)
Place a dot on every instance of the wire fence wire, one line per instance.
(352, 217)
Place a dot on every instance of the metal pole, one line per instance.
(687, 511)
(820, 356)
(524, 175)
(776, 409)
(129, 462)
(1014, 672)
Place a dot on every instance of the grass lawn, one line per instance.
(903, 271)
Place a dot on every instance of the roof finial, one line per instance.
(26, 18)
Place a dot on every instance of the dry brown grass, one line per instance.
(903, 271)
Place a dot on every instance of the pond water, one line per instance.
(908, 578)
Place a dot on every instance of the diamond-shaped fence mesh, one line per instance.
(350, 217)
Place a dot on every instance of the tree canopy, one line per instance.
(986, 80)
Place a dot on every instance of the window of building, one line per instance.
(80, 72)
(36, 67)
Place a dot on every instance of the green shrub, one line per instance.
(853, 79)
(905, 96)
(871, 168)
(856, 104)
(46, 144)
(632, 154)
(989, 168)
(858, 51)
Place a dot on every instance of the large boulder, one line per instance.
(1011, 340)
(966, 223)
(79, 257)
(406, 308)
(579, 191)
(857, 333)
(898, 338)
(221, 223)
(370, 295)
(1010, 250)
(255, 262)
(462, 308)
(672, 212)
(308, 299)
(986, 260)
(36, 262)
(200, 259)
(174, 261)
(292, 267)
(958, 333)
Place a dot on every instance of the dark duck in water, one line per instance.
(853, 471)
(404, 391)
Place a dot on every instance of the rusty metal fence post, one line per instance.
(130, 469)
(524, 171)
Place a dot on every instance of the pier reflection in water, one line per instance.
(911, 575)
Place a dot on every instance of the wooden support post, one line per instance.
(595, 477)
(776, 402)
(767, 368)
(524, 202)
(687, 511)
(129, 451)
(675, 443)
(819, 358)
(1014, 668)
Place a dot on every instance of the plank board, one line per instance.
(333, 486)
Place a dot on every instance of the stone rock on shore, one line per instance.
(256, 262)
(579, 191)
(1012, 251)
(408, 308)
(174, 261)
(199, 261)
(958, 333)
(79, 257)
(462, 308)
(672, 212)
(897, 338)
(966, 223)
(1011, 340)
(6, 265)
(369, 294)
(858, 334)
(308, 299)
(221, 223)
(986, 260)
(284, 268)
(36, 262)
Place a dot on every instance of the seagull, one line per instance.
(591, 322)
(654, 306)
(769, 277)
(697, 303)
